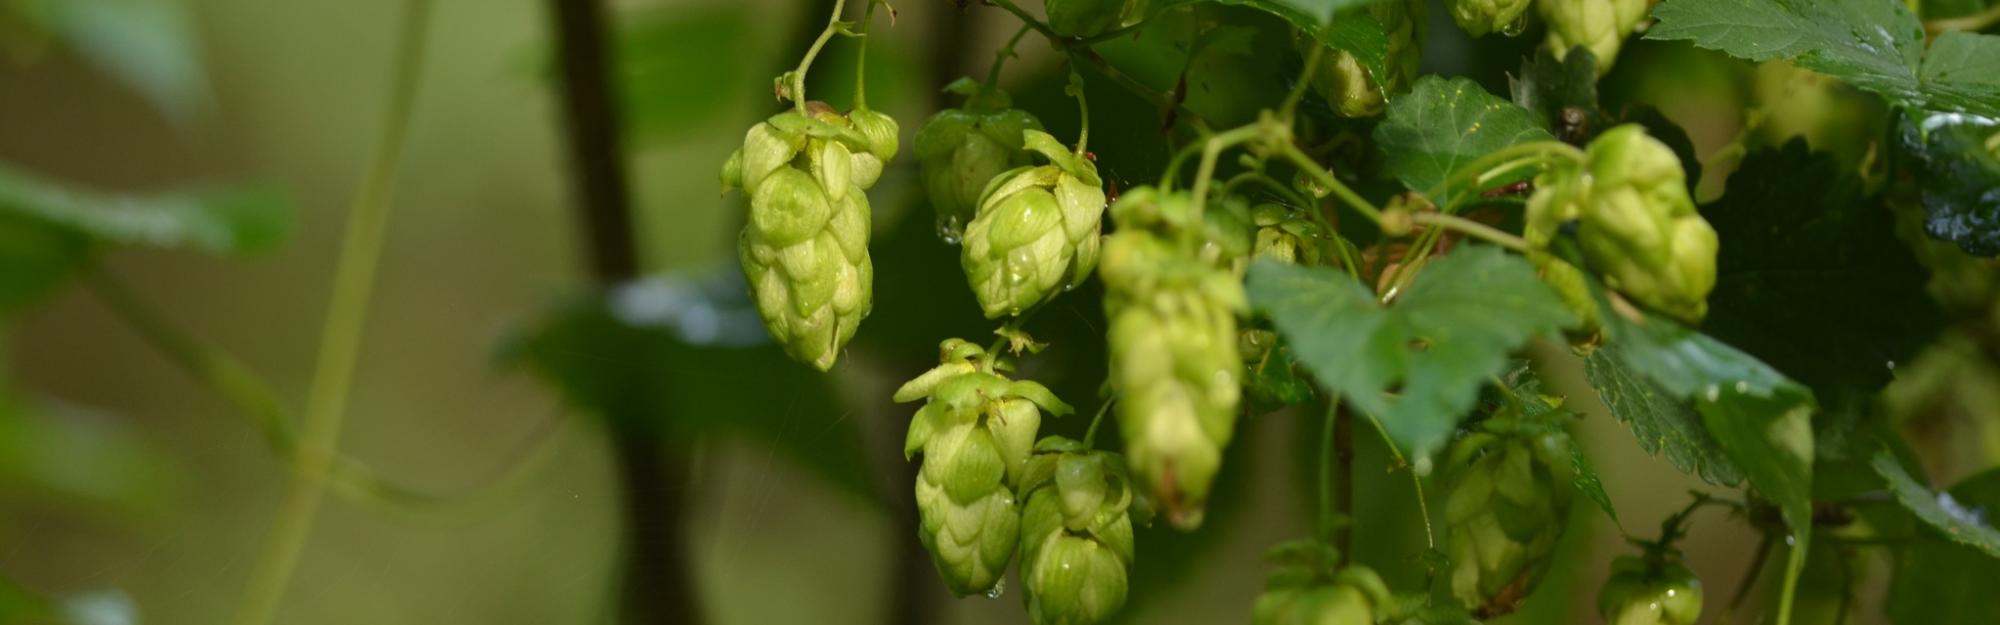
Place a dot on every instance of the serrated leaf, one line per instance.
(1954, 520)
(232, 221)
(1956, 173)
(1663, 424)
(1444, 124)
(1417, 364)
(678, 359)
(1761, 420)
(1811, 278)
(1872, 44)
(1589, 484)
(1938, 582)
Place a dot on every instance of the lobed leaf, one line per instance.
(1445, 124)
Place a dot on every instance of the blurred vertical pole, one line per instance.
(658, 584)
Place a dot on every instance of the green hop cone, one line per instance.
(1173, 344)
(1508, 500)
(1285, 235)
(1076, 534)
(1479, 17)
(805, 248)
(1600, 25)
(960, 150)
(1089, 18)
(1271, 379)
(1347, 85)
(975, 432)
(1036, 232)
(1546, 210)
(1650, 592)
(1637, 225)
(1305, 591)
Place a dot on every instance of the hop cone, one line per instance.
(1347, 85)
(1076, 534)
(1173, 348)
(805, 250)
(1285, 236)
(1089, 18)
(960, 150)
(1504, 513)
(1479, 17)
(1305, 593)
(1637, 225)
(1036, 233)
(1650, 592)
(1600, 25)
(975, 432)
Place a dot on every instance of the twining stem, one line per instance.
(1343, 489)
(1029, 20)
(1333, 184)
(340, 338)
(861, 57)
(1501, 161)
(805, 63)
(1417, 481)
(1971, 23)
(1287, 111)
(1000, 58)
(1082, 107)
(1471, 228)
(1212, 151)
(1090, 435)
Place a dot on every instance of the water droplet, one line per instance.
(999, 588)
(949, 231)
(1788, 540)
(1892, 365)
(1713, 392)
(1671, 592)
(1742, 387)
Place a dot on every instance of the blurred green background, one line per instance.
(163, 492)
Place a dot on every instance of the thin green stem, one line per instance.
(1029, 20)
(340, 339)
(1501, 161)
(1090, 434)
(1749, 581)
(1416, 481)
(1324, 493)
(1972, 23)
(1210, 153)
(1333, 184)
(861, 57)
(1298, 92)
(1128, 83)
(1471, 228)
(805, 63)
(1082, 107)
(1000, 58)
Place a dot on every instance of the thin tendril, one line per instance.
(805, 64)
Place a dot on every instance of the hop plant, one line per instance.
(1479, 17)
(1076, 533)
(1509, 498)
(1283, 235)
(1346, 84)
(960, 150)
(1600, 25)
(975, 432)
(1089, 18)
(1305, 592)
(805, 248)
(1036, 233)
(1173, 344)
(1636, 223)
(1656, 590)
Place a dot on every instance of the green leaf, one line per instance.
(1418, 364)
(1875, 45)
(1663, 424)
(1956, 174)
(233, 221)
(681, 70)
(1759, 418)
(1545, 87)
(1938, 582)
(1444, 124)
(1306, 15)
(1811, 278)
(1954, 520)
(150, 45)
(682, 359)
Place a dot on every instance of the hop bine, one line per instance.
(1076, 533)
(1173, 344)
(1347, 85)
(1508, 501)
(805, 248)
(975, 432)
(960, 150)
(1655, 590)
(1636, 224)
(1307, 592)
(1036, 232)
(1600, 25)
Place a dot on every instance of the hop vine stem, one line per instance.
(340, 338)
(805, 62)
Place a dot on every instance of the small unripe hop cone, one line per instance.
(1036, 233)
(805, 248)
(1076, 534)
(1347, 85)
(1657, 590)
